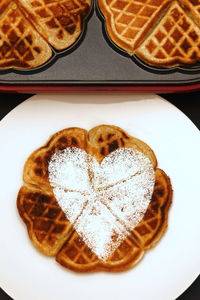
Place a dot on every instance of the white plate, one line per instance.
(167, 269)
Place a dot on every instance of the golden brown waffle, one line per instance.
(128, 21)
(193, 7)
(162, 33)
(52, 233)
(59, 21)
(76, 256)
(20, 45)
(28, 28)
(176, 41)
(47, 226)
(36, 166)
(104, 139)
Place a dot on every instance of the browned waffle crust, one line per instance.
(76, 256)
(161, 32)
(46, 223)
(28, 28)
(20, 45)
(59, 21)
(52, 233)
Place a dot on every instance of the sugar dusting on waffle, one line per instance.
(102, 201)
(68, 169)
(100, 230)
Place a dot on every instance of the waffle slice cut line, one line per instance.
(46, 223)
(75, 254)
(60, 22)
(49, 229)
(129, 21)
(29, 30)
(20, 45)
(176, 41)
(137, 27)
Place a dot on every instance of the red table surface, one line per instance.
(100, 88)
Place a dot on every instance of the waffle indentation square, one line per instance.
(168, 46)
(185, 45)
(151, 46)
(71, 252)
(176, 35)
(160, 36)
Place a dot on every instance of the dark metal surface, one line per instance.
(94, 59)
(188, 103)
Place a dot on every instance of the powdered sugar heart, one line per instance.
(102, 201)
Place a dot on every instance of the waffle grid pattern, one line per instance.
(77, 252)
(36, 167)
(53, 234)
(145, 28)
(77, 256)
(176, 36)
(30, 27)
(194, 6)
(148, 228)
(60, 15)
(17, 41)
(131, 17)
(49, 222)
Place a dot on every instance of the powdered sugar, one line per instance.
(118, 166)
(103, 201)
(100, 230)
(72, 203)
(128, 200)
(68, 169)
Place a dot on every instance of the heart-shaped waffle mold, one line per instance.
(48, 227)
(30, 27)
(162, 33)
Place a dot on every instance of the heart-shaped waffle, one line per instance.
(50, 230)
(60, 22)
(127, 21)
(28, 28)
(176, 41)
(102, 201)
(20, 45)
(160, 32)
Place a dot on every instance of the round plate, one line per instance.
(165, 270)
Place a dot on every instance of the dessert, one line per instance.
(29, 29)
(95, 200)
(20, 45)
(59, 22)
(160, 32)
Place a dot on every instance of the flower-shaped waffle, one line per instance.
(109, 226)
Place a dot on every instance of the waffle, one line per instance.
(193, 7)
(75, 254)
(36, 167)
(104, 139)
(59, 21)
(20, 45)
(176, 41)
(161, 33)
(29, 29)
(128, 21)
(48, 227)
